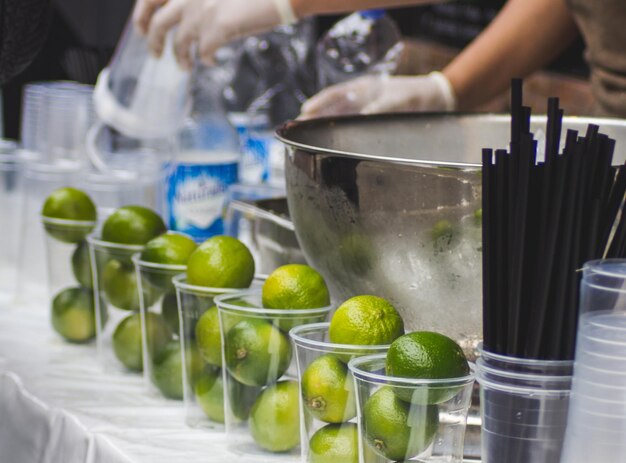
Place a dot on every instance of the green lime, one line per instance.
(132, 225)
(167, 372)
(396, 429)
(208, 334)
(69, 204)
(365, 320)
(295, 286)
(338, 443)
(426, 355)
(209, 392)
(256, 352)
(275, 418)
(169, 312)
(210, 395)
(170, 248)
(221, 262)
(241, 398)
(73, 314)
(119, 282)
(208, 337)
(81, 265)
(335, 443)
(127, 339)
(328, 390)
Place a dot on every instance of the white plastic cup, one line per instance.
(262, 394)
(425, 418)
(162, 357)
(524, 407)
(39, 181)
(314, 348)
(203, 391)
(117, 301)
(597, 415)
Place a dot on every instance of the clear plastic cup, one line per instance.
(327, 391)
(140, 95)
(117, 300)
(597, 415)
(203, 386)
(262, 410)
(403, 419)
(162, 359)
(39, 180)
(524, 407)
(11, 177)
(70, 281)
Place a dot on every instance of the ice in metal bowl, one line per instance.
(390, 205)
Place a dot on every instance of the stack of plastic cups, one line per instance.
(597, 418)
(56, 119)
(202, 377)
(162, 361)
(66, 115)
(524, 405)
(405, 419)
(261, 399)
(323, 368)
(11, 170)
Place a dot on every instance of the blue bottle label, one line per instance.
(196, 194)
(255, 147)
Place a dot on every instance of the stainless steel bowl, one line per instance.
(387, 205)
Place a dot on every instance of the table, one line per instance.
(58, 406)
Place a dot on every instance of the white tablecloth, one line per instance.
(58, 406)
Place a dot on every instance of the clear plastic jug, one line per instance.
(140, 95)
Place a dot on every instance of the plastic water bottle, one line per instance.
(273, 75)
(207, 164)
(366, 42)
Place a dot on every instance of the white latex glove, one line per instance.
(208, 24)
(383, 94)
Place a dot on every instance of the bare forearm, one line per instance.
(526, 35)
(304, 8)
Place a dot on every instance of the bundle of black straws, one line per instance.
(542, 220)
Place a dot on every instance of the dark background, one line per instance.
(83, 34)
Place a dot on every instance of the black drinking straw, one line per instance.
(501, 206)
(487, 217)
(518, 250)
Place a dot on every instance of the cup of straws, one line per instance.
(543, 218)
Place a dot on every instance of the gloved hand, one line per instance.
(209, 24)
(381, 94)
